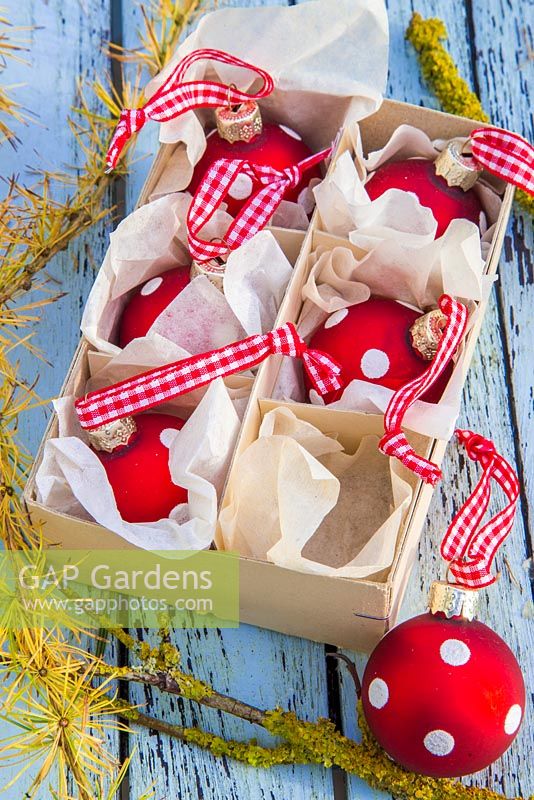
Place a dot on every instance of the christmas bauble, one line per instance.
(372, 342)
(274, 145)
(138, 470)
(149, 301)
(418, 175)
(443, 697)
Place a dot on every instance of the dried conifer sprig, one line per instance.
(63, 719)
(55, 670)
(12, 44)
(163, 23)
(48, 688)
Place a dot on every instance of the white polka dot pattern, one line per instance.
(151, 286)
(455, 652)
(291, 132)
(167, 436)
(439, 743)
(241, 187)
(513, 719)
(378, 693)
(335, 318)
(374, 363)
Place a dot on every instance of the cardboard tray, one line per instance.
(63, 530)
(345, 612)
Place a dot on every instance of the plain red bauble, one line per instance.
(149, 301)
(418, 175)
(275, 146)
(371, 341)
(443, 697)
(139, 471)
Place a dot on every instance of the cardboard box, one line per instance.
(62, 530)
(348, 613)
(342, 611)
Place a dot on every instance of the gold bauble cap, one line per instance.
(452, 600)
(239, 123)
(112, 435)
(426, 333)
(457, 169)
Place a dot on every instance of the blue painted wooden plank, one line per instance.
(486, 381)
(147, 144)
(62, 48)
(503, 42)
(259, 667)
(487, 406)
(67, 43)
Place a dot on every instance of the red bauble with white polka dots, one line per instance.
(443, 697)
(372, 342)
(138, 470)
(275, 146)
(149, 301)
(418, 175)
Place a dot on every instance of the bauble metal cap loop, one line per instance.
(213, 270)
(239, 123)
(452, 600)
(112, 435)
(457, 168)
(426, 333)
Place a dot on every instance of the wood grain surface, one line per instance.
(492, 43)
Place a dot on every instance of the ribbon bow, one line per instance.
(164, 383)
(254, 214)
(478, 448)
(506, 155)
(394, 442)
(175, 97)
(469, 550)
(322, 370)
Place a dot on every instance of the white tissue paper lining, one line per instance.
(295, 494)
(72, 480)
(153, 239)
(417, 276)
(346, 210)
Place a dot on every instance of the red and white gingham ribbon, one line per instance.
(506, 155)
(254, 214)
(469, 550)
(394, 442)
(175, 97)
(158, 385)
